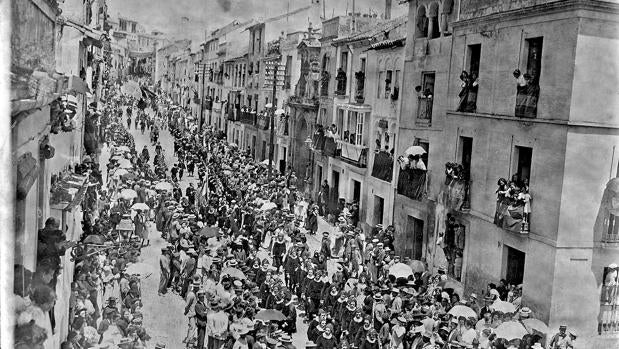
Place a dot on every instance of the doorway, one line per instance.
(414, 229)
(379, 208)
(282, 161)
(335, 189)
(513, 260)
(356, 191)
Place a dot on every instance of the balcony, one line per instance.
(282, 125)
(360, 90)
(248, 117)
(383, 166)
(341, 79)
(234, 113)
(354, 154)
(413, 183)
(264, 121)
(324, 83)
(424, 110)
(526, 97)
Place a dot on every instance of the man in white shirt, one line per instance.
(216, 326)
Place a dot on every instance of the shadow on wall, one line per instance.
(604, 268)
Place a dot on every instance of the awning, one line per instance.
(92, 36)
(78, 85)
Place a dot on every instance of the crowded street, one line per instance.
(291, 174)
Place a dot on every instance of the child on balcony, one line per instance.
(525, 198)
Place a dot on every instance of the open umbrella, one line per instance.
(415, 150)
(268, 206)
(164, 186)
(125, 163)
(510, 330)
(463, 310)
(120, 172)
(209, 232)
(267, 315)
(535, 325)
(234, 272)
(140, 268)
(123, 148)
(448, 284)
(417, 266)
(504, 307)
(128, 194)
(400, 270)
(94, 239)
(234, 145)
(117, 157)
(140, 206)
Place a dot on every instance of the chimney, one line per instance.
(387, 9)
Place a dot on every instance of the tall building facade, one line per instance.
(501, 98)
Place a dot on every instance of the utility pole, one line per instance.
(272, 126)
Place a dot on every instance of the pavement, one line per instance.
(163, 315)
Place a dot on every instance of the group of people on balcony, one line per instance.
(468, 94)
(513, 200)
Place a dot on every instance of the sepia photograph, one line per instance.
(329, 174)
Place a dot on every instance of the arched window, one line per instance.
(446, 10)
(433, 23)
(422, 23)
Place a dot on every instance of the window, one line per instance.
(344, 61)
(414, 229)
(340, 121)
(425, 97)
(388, 83)
(287, 74)
(362, 65)
(359, 129)
(422, 23)
(379, 208)
(381, 78)
(534, 58)
(522, 166)
(474, 53)
(513, 261)
(426, 146)
(466, 148)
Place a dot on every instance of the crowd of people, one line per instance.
(240, 252)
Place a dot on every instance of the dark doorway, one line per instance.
(335, 189)
(379, 208)
(253, 147)
(282, 161)
(264, 150)
(356, 191)
(514, 267)
(414, 230)
(523, 163)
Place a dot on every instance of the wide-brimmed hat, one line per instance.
(525, 312)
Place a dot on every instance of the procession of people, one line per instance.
(244, 255)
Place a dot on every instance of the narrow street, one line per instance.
(163, 315)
